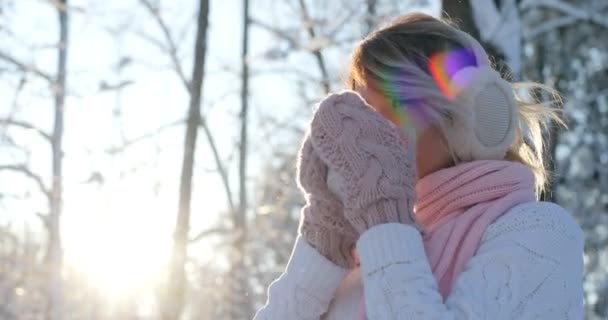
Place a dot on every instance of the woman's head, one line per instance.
(462, 109)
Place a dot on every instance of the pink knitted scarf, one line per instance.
(455, 205)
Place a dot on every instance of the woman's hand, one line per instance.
(371, 156)
(323, 224)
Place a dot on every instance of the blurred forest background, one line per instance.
(147, 147)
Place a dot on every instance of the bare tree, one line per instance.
(239, 273)
(169, 46)
(54, 193)
(173, 302)
(55, 252)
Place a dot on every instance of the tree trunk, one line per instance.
(173, 302)
(370, 19)
(54, 256)
(553, 129)
(461, 13)
(547, 194)
(241, 307)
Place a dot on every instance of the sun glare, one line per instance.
(119, 244)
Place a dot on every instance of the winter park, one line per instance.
(303, 159)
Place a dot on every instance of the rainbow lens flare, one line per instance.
(444, 65)
(409, 113)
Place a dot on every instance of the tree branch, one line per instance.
(337, 26)
(28, 173)
(218, 162)
(585, 14)
(44, 218)
(172, 50)
(26, 68)
(144, 136)
(552, 24)
(207, 233)
(293, 43)
(27, 126)
(317, 52)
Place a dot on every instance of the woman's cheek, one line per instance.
(386, 111)
(380, 104)
(389, 114)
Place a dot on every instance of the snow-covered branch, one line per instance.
(551, 25)
(571, 14)
(500, 26)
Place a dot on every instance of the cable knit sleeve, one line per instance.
(529, 266)
(305, 289)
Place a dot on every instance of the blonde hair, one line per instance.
(405, 46)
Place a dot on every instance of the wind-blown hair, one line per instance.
(397, 60)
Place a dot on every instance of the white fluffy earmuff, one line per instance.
(486, 124)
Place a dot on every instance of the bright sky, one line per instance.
(118, 232)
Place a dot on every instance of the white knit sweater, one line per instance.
(529, 265)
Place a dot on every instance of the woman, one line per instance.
(438, 220)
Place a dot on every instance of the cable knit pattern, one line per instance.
(457, 204)
(370, 155)
(529, 265)
(323, 223)
(306, 288)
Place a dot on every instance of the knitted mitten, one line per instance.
(371, 156)
(323, 224)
